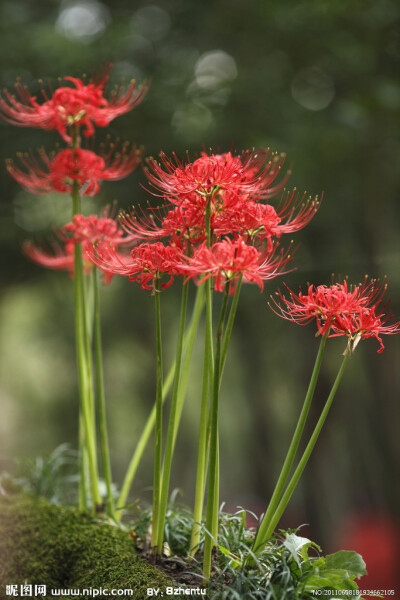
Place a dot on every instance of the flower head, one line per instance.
(94, 230)
(59, 172)
(88, 231)
(248, 173)
(225, 261)
(57, 257)
(147, 263)
(353, 311)
(228, 188)
(81, 104)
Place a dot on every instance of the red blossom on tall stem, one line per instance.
(184, 224)
(88, 231)
(83, 104)
(146, 263)
(59, 172)
(231, 187)
(247, 173)
(352, 311)
(259, 221)
(225, 261)
(55, 256)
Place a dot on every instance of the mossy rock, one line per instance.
(44, 544)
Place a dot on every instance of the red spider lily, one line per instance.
(225, 261)
(147, 263)
(93, 229)
(297, 211)
(81, 105)
(352, 311)
(263, 220)
(248, 173)
(56, 257)
(234, 209)
(185, 224)
(248, 218)
(86, 230)
(83, 166)
(241, 217)
(368, 322)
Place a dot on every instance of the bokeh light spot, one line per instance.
(215, 68)
(313, 89)
(82, 21)
(152, 22)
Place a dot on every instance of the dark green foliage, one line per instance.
(289, 568)
(62, 548)
(52, 476)
(284, 570)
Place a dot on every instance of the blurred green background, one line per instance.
(317, 80)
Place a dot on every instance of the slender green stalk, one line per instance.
(304, 459)
(88, 319)
(148, 428)
(230, 322)
(158, 428)
(105, 452)
(214, 526)
(202, 457)
(224, 350)
(188, 344)
(82, 491)
(202, 451)
(85, 377)
(213, 476)
(290, 456)
(84, 366)
(169, 447)
(204, 429)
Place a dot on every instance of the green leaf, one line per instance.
(235, 560)
(298, 545)
(331, 579)
(349, 561)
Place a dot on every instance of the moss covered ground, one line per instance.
(45, 544)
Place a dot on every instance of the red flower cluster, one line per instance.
(147, 263)
(232, 186)
(90, 232)
(82, 105)
(74, 164)
(213, 173)
(355, 312)
(215, 219)
(226, 260)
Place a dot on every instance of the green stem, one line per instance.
(188, 344)
(158, 428)
(82, 491)
(214, 526)
(287, 465)
(105, 452)
(304, 459)
(84, 366)
(86, 419)
(201, 471)
(169, 448)
(229, 323)
(213, 476)
(148, 428)
(202, 457)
